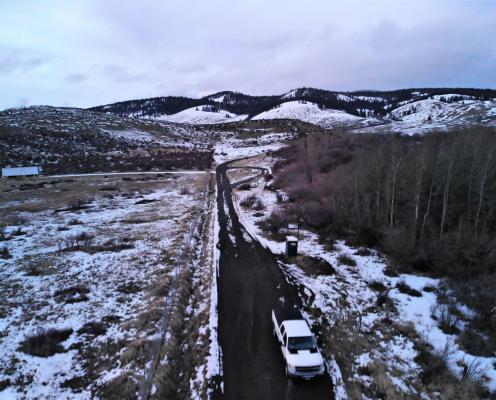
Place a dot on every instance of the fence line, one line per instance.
(170, 302)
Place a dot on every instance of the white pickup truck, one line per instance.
(298, 345)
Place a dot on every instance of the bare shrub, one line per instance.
(93, 329)
(253, 202)
(382, 387)
(363, 252)
(42, 266)
(146, 201)
(405, 289)
(274, 223)
(391, 271)
(5, 253)
(45, 343)
(429, 289)
(129, 287)
(383, 300)
(3, 234)
(4, 384)
(447, 319)
(185, 190)
(378, 286)
(84, 242)
(76, 383)
(108, 188)
(135, 220)
(72, 294)
(314, 266)
(345, 259)
(476, 343)
(77, 204)
(74, 242)
(473, 371)
(17, 232)
(433, 362)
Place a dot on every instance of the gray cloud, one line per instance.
(76, 78)
(119, 73)
(123, 50)
(17, 61)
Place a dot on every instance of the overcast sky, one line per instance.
(84, 53)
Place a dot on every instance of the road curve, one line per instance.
(250, 285)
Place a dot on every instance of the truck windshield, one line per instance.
(301, 343)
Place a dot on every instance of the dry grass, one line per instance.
(59, 193)
(124, 387)
(99, 357)
(136, 352)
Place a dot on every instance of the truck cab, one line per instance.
(298, 345)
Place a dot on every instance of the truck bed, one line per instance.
(287, 313)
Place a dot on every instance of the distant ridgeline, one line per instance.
(363, 103)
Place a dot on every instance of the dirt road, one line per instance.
(250, 285)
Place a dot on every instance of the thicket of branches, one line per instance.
(429, 202)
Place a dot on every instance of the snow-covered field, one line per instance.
(89, 262)
(348, 296)
(232, 148)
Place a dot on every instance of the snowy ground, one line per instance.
(349, 296)
(99, 269)
(231, 148)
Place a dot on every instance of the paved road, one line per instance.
(250, 285)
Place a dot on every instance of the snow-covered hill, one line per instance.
(203, 114)
(406, 111)
(309, 112)
(431, 114)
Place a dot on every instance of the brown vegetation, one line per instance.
(45, 343)
(428, 202)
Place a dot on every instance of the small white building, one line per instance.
(12, 172)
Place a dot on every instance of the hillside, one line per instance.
(434, 114)
(64, 140)
(405, 110)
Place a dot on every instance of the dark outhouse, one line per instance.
(291, 246)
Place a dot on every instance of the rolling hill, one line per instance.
(408, 111)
